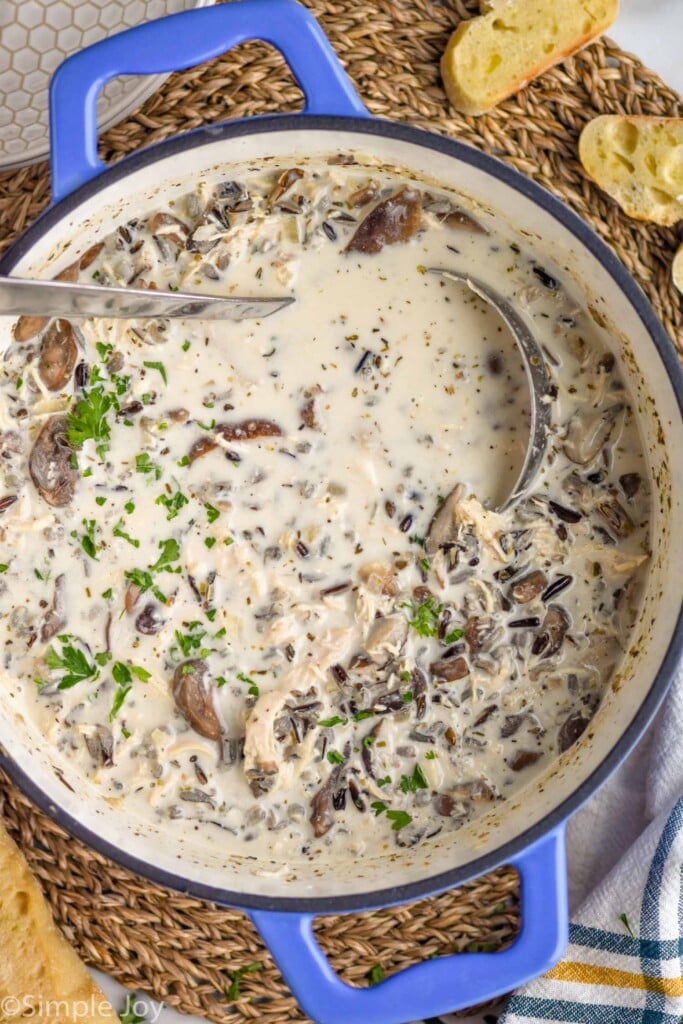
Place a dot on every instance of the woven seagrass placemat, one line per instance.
(178, 949)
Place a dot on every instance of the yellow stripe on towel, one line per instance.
(590, 974)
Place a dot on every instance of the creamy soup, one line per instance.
(255, 575)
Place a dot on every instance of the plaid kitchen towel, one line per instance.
(624, 962)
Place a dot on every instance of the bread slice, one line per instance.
(490, 57)
(639, 162)
(39, 970)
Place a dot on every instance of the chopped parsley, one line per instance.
(385, 781)
(122, 692)
(72, 661)
(144, 464)
(100, 500)
(454, 636)
(411, 783)
(399, 819)
(144, 581)
(172, 504)
(190, 641)
(160, 368)
(334, 757)
(3, 567)
(431, 755)
(170, 552)
(88, 539)
(375, 975)
(424, 617)
(209, 542)
(87, 420)
(119, 531)
(329, 723)
(212, 513)
(360, 715)
(233, 992)
(253, 690)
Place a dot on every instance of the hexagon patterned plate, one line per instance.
(36, 36)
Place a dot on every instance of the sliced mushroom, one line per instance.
(588, 432)
(573, 726)
(461, 221)
(55, 620)
(367, 755)
(449, 670)
(529, 587)
(50, 463)
(476, 790)
(630, 484)
(201, 447)
(522, 759)
(149, 621)
(443, 527)
(379, 577)
(418, 688)
(284, 182)
(553, 631)
(322, 805)
(28, 327)
(386, 638)
(194, 699)
(395, 219)
(58, 354)
(364, 195)
(132, 597)
(165, 226)
(245, 430)
(616, 516)
(478, 631)
(89, 256)
(100, 746)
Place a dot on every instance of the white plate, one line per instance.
(36, 37)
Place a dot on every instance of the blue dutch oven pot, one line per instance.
(535, 845)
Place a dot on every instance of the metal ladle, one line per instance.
(61, 298)
(538, 379)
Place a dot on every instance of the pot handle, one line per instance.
(181, 41)
(436, 986)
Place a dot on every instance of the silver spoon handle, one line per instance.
(60, 298)
(538, 379)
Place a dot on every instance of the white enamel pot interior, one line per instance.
(198, 864)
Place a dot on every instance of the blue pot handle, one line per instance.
(181, 41)
(436, 986)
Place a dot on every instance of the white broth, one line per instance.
(253, 576)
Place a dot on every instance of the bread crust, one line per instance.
(472, 91)
(39, 970)
(638, 162)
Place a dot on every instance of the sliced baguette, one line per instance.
(638, 161)
(38, 968)
(490, 57)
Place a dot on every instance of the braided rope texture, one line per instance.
(181, 950)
